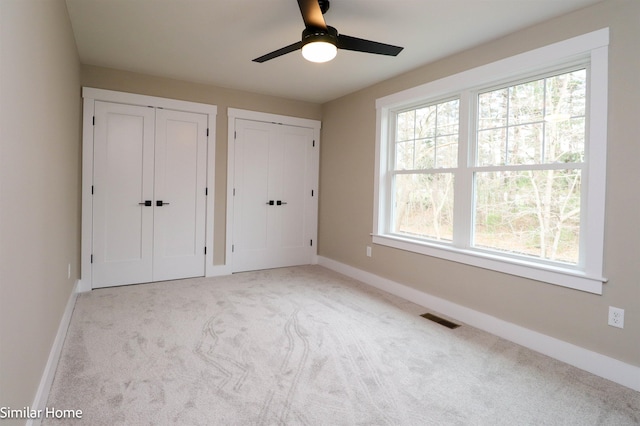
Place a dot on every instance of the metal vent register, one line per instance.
(440, 321)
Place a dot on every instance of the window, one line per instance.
(502, 166)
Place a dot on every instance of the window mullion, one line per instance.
(463, 185)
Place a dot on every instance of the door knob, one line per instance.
(280, 202)
(161, 203)
(270, 202)
(147, 203)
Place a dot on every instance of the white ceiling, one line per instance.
(214, 41)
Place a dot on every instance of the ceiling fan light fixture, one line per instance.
(320, 42)
(319, 51)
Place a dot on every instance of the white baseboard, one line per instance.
(593, 362)
(83, 286)
(40, 401)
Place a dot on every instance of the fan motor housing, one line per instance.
(330, 35)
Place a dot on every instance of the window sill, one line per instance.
(565, 277)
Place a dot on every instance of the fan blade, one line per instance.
(361, 45)
(311, 14)
(279, 52)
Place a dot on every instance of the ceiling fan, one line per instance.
(321, 42)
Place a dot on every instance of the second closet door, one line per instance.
(273, 196)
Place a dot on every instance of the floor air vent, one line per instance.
(440, 321)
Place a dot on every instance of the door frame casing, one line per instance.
(90, 96)
(234, 114)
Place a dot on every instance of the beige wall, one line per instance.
(105, 78)
(346, 196)
(39, 187)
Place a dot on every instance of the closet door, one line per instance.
(122, 194)
(149, 200)
(273, 197)
(180, 198)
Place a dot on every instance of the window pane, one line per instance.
(425, 154)
(525, 144)
(526, 103)
(448, 118)
(404, 155)
(566, 94)
(565, 141)
(492, 111)
(447, 151)
(405, 125)
(424, 205)
(535, 213)
(426, 122)
(492, 147)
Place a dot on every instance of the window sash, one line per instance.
(542, 121)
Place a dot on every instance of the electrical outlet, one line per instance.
(368, 251)
(616, 317)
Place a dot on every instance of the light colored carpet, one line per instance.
(306, 346)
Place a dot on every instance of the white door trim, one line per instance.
(90, 96)
(234, 114)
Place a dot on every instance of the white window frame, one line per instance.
(591, 48)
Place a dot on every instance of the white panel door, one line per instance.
(123, 180)
(272, 202)
(180, 199)
(292, 237)
(149, 201)
(252, 215)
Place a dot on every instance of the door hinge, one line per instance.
(311, 243)
(314, 144)
(205, 250)
(91, 259)
(312, 192)
(206, 191)
(207, 132)
(94, 120)
(233, 248)
(234, 192)
(91, 189)
(235, 135)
